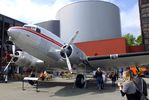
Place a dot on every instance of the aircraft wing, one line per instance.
(119, 60)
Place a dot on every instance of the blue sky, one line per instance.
(34, 11)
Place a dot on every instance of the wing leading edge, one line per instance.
(119, 60)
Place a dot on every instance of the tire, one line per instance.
(80, 81)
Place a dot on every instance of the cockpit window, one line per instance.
(30, 27)
(33, 28)
(38, 30)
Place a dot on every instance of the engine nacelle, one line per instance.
(75, 54)
(22, 58)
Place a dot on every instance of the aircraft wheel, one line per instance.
(80, 81)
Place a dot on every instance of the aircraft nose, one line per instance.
(12, 32)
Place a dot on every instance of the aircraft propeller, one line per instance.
(64, 50)
(68, 63)
(72, 39)
(12, 56)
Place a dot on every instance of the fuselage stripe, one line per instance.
(41, 35)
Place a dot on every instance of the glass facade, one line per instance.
(144, 17)
(5, 23)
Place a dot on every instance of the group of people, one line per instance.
(43, 75)
(101, 77)
(134, 87)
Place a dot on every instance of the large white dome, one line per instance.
(95, 20)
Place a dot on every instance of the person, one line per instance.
(140, 83)
(46, 75)
(99, 78)
(128, 88)
(129, 69)
(113, 77)
(121, 72)
(41, 76)
(32, 74)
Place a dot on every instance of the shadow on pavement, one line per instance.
(68, 89)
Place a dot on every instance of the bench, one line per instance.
(30, 79)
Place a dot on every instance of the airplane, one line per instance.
(52, 50)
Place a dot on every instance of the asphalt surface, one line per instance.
(62, 90)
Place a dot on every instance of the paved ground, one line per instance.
(58, 91)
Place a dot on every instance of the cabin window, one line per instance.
(30, 27)
(33, 28)
(38, 30)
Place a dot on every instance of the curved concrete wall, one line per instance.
(95, 20)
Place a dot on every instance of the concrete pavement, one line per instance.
(58, 91)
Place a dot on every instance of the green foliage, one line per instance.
(132, 41)
(139, 40)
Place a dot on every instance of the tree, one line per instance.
(139, 40)
(130, 39)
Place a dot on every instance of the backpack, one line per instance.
(142, 93)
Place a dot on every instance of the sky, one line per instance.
(35, 11)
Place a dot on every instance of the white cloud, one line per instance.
(29, 11)
(130, 21)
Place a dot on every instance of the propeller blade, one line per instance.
(68, 63)
(72, 39)
(8, 65)
(13, 49)
(12, 56)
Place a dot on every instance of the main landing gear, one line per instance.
(80, 81)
